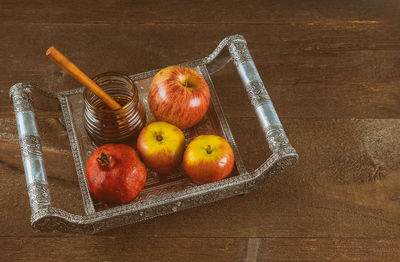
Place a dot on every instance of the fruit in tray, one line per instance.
(161, 146)
(208, 158)
(115, 174)
(179, 95)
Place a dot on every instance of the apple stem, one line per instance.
(186, 84)
(208, 149)
(104, 159)
(159, 138)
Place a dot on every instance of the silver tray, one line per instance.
(160, 196)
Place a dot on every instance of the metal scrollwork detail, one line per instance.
(225, 42)
(22, 97)
(59, 225)
(39, 195)
(239, 52)
(257, 93)
(51, 219)
(281, 165)
(18, 87)
(166, 205)
(276, 137)
(289, 150)
(285, 163)
(30, 146)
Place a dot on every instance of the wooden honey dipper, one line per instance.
(81, 77)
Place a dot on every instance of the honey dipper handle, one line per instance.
(81, 77)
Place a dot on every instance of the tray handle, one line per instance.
(31, 150)
(284, 155)
(44, 217)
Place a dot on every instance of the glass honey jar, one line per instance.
(105, 125)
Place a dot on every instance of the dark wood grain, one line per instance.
(332, 71)
(352, 69)
(123, 249)
(204, 12)
(94, 248)
(329, 249)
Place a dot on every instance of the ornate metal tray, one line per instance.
(160, 196)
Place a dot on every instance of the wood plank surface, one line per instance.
(209, 12)
(93, 248)
(352, 69)
(332, 71)
(124, 249)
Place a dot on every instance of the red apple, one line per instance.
(208, 158)
(179, 95)
(161, 145)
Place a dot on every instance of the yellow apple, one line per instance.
(161, 146)
(208, 158)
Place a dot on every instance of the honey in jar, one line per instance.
(105, 125)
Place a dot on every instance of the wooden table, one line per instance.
(333, 72)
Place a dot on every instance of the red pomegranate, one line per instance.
(115, 174)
